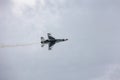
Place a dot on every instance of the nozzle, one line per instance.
(42, 42)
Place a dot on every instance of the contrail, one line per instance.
(18, 45)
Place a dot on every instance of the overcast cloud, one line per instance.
(91, 53)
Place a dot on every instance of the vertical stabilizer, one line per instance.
(42, 39)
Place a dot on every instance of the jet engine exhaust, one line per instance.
(18, 45)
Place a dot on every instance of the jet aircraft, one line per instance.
(50, 41)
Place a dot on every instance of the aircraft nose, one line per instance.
(65, 39)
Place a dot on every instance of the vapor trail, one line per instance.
(18, 45)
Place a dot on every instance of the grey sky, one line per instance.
(92, 27)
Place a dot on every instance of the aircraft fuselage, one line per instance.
(50, 41)
(53, 40)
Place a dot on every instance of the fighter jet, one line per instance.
(50, 41)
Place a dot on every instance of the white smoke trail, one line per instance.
(18, 45)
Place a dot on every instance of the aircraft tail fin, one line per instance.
(42, 39)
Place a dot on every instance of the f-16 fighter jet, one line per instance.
(50, 41)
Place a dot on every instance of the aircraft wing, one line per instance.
(50, 45)
(49, 36)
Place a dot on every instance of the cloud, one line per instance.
(29, 17)
(112, 72)
(92, 29)
(19, 5)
